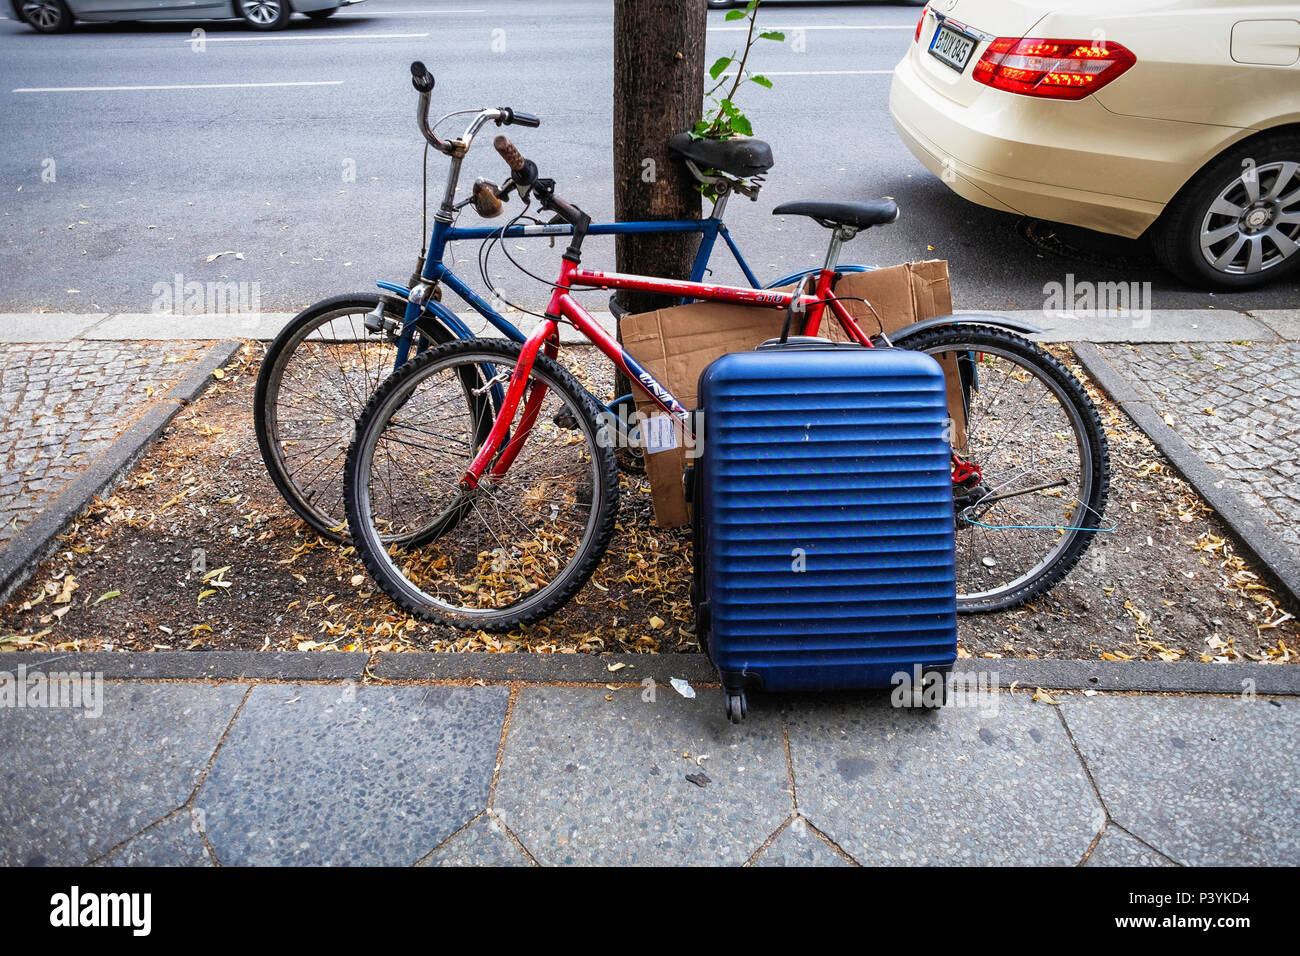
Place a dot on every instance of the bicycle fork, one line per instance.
(544, 337)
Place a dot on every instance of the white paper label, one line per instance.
(659, 434)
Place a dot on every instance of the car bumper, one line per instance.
(982, 151)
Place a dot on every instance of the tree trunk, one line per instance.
(658, 91)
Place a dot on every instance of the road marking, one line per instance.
(820, 73)
(402, 13)
(313, 36)
(765, 28)
(178, 86)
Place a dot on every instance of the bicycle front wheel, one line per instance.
(1033, 498)
(314, 382)
(517, 547)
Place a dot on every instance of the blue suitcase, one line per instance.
(823, 519)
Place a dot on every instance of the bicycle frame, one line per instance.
(563, 306)
(435, 271)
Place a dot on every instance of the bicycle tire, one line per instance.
(266, 400)
(1089, 435)
(392, 395)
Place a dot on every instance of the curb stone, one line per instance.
(1260, 542)
(1189, 677)
(36, 540)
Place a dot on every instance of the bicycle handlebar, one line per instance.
(421, 78)
(524, 173)
(514, 159)
(423, 82)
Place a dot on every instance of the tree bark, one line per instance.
(658, 91)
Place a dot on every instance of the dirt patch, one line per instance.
(195, 550)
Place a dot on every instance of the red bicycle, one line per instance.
(482, 484)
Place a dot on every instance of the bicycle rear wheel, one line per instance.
(1035, 503)
(314, 382)
(510, 551)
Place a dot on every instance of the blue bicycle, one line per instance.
(321, 369)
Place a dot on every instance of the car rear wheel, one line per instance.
(46, 16)
(1236, 224)
(264, 14)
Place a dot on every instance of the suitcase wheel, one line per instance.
(737, 707)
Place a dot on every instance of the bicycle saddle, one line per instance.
(740, 157)
(860, 215)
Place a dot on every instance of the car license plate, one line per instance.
(952, 47)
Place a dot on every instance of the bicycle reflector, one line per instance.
(1055, 69)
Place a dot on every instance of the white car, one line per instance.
(57, 16)
(1176, 118)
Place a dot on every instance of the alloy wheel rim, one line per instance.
(262, 11)
(43, 13)
(1254, 223)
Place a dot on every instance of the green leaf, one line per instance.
(740, 123)
(772, 35)
(106, 596)
(735, 15)
(751, 7)
(719, 65)
(729, 108)
(762, 81)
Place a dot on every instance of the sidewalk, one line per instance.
(335, 772)
(203, 758)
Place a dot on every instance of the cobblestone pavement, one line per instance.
(63, 403)
(1238, 407)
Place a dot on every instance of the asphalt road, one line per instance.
(250, 152)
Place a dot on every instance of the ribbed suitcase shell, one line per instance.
(839, 452)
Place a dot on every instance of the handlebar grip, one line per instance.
(421, 78)
(524, 119)
(514, 159)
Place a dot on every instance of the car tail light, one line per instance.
(1057, 69)
(920, 23)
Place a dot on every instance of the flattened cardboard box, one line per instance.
(677, 344)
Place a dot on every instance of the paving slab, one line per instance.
(956, 786)
(173, 842)
(1285, 322)
(586, 780)
(47, 326)
(799, 845)
(73, 786)
(321, 775)
(483, 843)
(1117, 848)
(1207, 781)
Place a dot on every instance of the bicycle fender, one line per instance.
(796, 276)
(434, 309)
(966, 318)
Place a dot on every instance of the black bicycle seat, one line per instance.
(741, 157)
(860, 215)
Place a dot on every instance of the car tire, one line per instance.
(1254, 186)
(45, 16)
(322, 14)
(264, 14)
